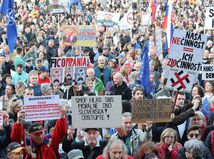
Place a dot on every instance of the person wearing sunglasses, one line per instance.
(193, 133)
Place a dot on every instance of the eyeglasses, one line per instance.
(171, 137)
(192, 135)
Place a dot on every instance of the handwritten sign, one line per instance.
(156, 110)
(41, 108)
(209, 20)
(96, 111)
(185, 59)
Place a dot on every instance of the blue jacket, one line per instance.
(106, 74)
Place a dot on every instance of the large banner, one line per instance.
(127, 21)
(107, 19)
(156, 110)
(96, 111)
(1, 114)
(207, 72)
(79, 35)
(209, 20)
(72, 67)
(185, 59)
(41, 108)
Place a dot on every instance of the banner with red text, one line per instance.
(73, 68)
(39, 108)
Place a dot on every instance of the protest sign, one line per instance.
(61, 67)
(56, 9)
(1, 114)
(79, 35)
(158, 38)
(41, 108)
(207, 72)
(156, 110)
(127, 21)
(96, 111)
(146, 18)
(107, 19)
(185, 59)
(209, 20)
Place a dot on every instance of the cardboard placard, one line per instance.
(156, 110)
(207, 72)
(209, 20)
(41, 108)
(96, 111)
(185, 59)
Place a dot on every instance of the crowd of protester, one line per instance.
(113, 69)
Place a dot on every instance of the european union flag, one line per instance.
(7, 10)
(144, 70)
(205, 108)
(78, 3)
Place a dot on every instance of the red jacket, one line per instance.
(45, 151)
(173, 152)
(45, 80)
(101, 157)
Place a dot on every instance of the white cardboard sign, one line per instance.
(41, 108)
(207, 72)
(209, 20)
(96, 111)
(185, 59)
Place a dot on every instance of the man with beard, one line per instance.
(90, 145)
(102, 71)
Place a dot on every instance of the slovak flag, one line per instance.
(153, 7)
(167, 24)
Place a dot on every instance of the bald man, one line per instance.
(120, 87)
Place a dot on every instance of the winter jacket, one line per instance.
(43, 151)
(4, 140)
(137, 138)
(166, 154)
(122, 90)
(88, 153)
(106, 74)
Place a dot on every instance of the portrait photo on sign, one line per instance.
(80, 74)
(56, 73)
(69, 71)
